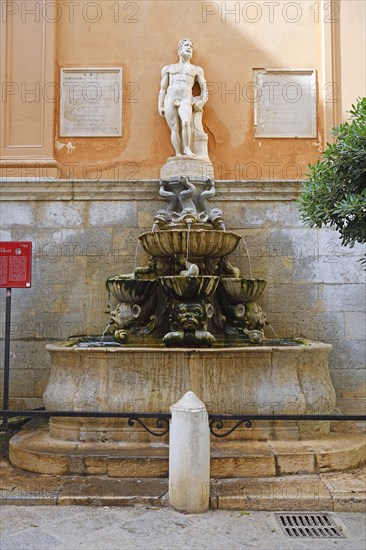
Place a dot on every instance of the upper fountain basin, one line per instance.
(201, 242)
(189, 288)
(243, 291)
(131, 291)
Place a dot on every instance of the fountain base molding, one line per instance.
(241, 380)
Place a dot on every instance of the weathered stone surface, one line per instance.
(336, 271)
(42, 454)
(330, 244)
(352, 406)
(350, 384)
(348, 355)
(349, 502)
(329, 326)
(13, 214)
(5, 235)
(243, 459)
(355, 325)
(113, 492)
(340, 454)
(96, 465)
(297, 243)
(350, 297)
(348, 489)
(28, 354)
(60, 214)
(280, 269)
(133, 467)
(292, 459)
(24, 403)
(146, 212)
(286, 298)
(54, 297)
(88, 242)
(128, 252)
(260, 214)
(21, 382)
(108, 213)
(293, 493)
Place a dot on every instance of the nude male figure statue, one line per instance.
(176, 101)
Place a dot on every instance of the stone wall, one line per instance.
(83, 232)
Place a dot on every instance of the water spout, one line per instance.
(189, 223)
(136, 255)
(273, 330)
(105, 332)
(242, 240)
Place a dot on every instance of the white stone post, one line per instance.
(189, 455)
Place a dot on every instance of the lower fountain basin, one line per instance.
(257, 380)
(242, 380)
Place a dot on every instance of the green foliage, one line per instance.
(335, 193)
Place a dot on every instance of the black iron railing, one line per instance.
(216, 421)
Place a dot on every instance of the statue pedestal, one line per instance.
(193, 167)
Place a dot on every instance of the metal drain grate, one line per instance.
(319, 526)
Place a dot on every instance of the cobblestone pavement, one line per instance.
(140, 527)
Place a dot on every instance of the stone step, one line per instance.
(37, 451)
(340, 491)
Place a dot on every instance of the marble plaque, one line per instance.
(91, 102)
(285, 103)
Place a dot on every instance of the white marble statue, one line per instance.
(182, 110)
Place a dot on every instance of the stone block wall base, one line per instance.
(36, 451)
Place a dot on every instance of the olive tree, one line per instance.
(335, 192)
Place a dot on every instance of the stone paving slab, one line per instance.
(151, 528)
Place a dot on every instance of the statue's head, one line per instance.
(185, 47)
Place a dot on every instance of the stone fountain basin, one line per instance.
(257, 380)
(201, 243)
(243, 291)
(189, 288)
(130, 291)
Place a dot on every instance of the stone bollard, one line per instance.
(189, 455)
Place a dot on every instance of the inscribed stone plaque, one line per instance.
(285, 103)
(91, 102)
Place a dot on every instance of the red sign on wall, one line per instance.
(15, 264)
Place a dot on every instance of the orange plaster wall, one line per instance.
(353, 54)
(227, 50)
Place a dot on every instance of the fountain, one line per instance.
(188, 320)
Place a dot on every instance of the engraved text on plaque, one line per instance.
(91, 102)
